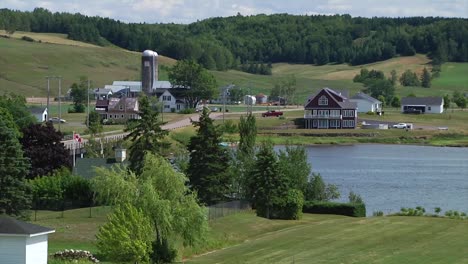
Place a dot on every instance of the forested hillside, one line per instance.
(224, 43)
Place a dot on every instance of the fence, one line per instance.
(228, 208)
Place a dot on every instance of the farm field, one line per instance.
(245, 238)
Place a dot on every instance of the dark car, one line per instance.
(272, 113)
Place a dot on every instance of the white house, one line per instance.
(40, 113)
(171, 99)
(22, 243)
(250, 100)
(366, 103)
(421, 105)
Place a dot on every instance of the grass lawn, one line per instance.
(339, 239)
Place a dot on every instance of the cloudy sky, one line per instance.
(187, 11)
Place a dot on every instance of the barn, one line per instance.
(22, 243)
(421, 105)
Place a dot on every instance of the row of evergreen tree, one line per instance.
(223, 43)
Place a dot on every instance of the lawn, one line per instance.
(339, 239)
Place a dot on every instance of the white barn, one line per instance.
(428, 105)
(22, 243)
(40, 113)
(366, 103)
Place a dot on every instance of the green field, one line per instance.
(24, 66)
(245, 238)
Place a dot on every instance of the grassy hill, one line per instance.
(24, 65)
(245, 238)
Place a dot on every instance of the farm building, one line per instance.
(250, 100)
(261, 98)
(421, 105)
(40, 113)
(22, 243)
(366, 103)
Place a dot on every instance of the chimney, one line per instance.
(120, 154)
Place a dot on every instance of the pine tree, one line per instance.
(209, 162)
(14, 197)
(426, 78)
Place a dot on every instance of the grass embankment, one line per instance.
(318, 238)
(24, 65)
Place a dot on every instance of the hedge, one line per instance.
(349, 209)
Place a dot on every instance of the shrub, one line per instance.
(370, 113)
(229, 127)
(162, 252)
(187, 111)
(377, 213)
(27, 38)
(291, 209)
(348, 209)
(418, 211)
(173, 110)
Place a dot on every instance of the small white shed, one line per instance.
(40, 113)
(22, 243)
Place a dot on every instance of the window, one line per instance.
(428, 108)
(334, 123)
(323, 113)
(178, 106)
(167, 106)
(348, 123)
(323, 124)
(334, 112)
(314, 123)
(323, 100)
(348, 113)
(314, 112)
(167, 98)
(121, 107)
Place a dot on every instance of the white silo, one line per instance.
(149, 70)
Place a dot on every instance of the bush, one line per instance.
(163, 252)
(370, 113)
(173, 110)
(80, 108)
(187, 111)
(229, 127)
(348, 209)
(27, 38)
(286, 209)
(418, 211)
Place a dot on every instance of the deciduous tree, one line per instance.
(79, 94)
(199, 83)
(426, 78)
(43, 147)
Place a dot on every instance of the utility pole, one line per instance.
(48, 96)
(60, 101)
(87, 119)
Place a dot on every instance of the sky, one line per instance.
(187, 11)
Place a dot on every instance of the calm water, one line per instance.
(389, 177)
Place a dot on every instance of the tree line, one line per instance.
(227, 42)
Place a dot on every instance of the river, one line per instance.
(389, 177)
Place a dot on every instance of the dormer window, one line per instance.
(323, 100)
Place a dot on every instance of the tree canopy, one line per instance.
(43, 147)
(199, 83)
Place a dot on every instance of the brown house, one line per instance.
(118, 109)
(329, 109)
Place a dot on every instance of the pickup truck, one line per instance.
(272, 113)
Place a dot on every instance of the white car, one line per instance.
(57, 120)
(400, 125)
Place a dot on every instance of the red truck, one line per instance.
(272, 113)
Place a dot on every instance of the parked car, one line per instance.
(57, 120)
(400, 125)
(272, 113)
(214, 109)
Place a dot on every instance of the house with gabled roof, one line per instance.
(366, 103)
(118, 109)
(421, 105)
(40, 113)
(329, 109)
(22, 243)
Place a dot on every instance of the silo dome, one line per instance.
(149, 53)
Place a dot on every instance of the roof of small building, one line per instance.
(103, 91)
(36, 110)
(162, 85)
(422, 101)
(11, 226)
(366, 97)
(130, 103)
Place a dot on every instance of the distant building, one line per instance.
(366, 103)
(329, 109)
(40, 113)
(421, 105)
(172, 100)
(22, 243)
(261, 98)
(118, 109)
(102, 93)
(250, 100)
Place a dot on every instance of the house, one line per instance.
(22, 243)
(250, 100)
(172, 99)
(330, 109)
(421, 105)
(102, 93)
(118, 109)
(261, 98)
(40, 113)
(366, 103)
(86, 167)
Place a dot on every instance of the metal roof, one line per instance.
(162, 85)
(366, 97)
(11, 226)
(422, 101)
(37, 110)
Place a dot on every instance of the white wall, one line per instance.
(364, 106)
(36, 250)
(435, 109)
(13, 250)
